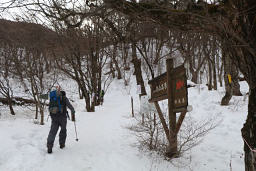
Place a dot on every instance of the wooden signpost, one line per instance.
(158, 88)
(171, 85)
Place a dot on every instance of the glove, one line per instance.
(73, 117)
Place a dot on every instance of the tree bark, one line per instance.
(194, 72)
(210, 75)
(10, 106)
(88, 104)
(137, 67)
(232, 88)
(220, 75)
(249, 133)
(227, 70)
(236, 30)
(119, 75)
(214, 74)
(80, 93)
(41, 114)
(236, 85)
(112, 70)
(194, 76)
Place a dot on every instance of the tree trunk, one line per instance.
(36, 115)
(137, 67)
(80, 93)
(249, 133)
(99, 88)
(94, 101)
(86, 98)
(210, 75)
(88, 104)
(235, 80)
(233, 87)
(125, 48)
(227, 70)
(41, 114)
(214, 74)
(119, 75)
(237, 30)
(219, 68)
(220, 75)
(112, 70)
(193, 71)
(194, 77)
(10, 106)
(95, 70)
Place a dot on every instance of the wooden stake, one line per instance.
(142, 119)
(181, 118)
(161, 116)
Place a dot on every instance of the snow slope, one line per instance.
(106, 145)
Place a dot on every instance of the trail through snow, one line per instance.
(105, 144)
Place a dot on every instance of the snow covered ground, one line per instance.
(106, 145)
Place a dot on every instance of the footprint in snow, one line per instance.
(17, 137)
(210, 160)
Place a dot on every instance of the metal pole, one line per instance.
(75, 131)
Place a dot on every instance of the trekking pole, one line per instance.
(68, 115)
(75, 130)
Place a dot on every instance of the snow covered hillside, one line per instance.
(105, 144)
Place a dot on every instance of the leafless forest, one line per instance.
(94, 41)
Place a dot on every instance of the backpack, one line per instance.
(55, 102)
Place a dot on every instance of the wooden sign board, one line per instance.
(158, 88)
(179, 83)
(180, 93)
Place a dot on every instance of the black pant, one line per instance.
(57, 121)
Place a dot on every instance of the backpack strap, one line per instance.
(59, 104)
(63, 100)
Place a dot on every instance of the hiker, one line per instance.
(58, 112)
(102, 93)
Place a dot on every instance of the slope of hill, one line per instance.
(105, 143)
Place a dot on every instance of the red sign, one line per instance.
(179, 84)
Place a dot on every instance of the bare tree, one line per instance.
(231, 21)
(82, 56)
(5, 75)
(192, 47)
(231, 80)
(214, 18)
(151, 136)
(30, 69)
(29, 44)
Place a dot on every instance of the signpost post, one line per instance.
(171, 85)
(172, 115)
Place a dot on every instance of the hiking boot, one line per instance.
(49, 150)
(62, 146)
